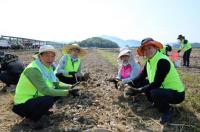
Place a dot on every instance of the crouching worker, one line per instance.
(165, 86)
(10, 69)
(128, 68)
(69, 67)
(38, 88)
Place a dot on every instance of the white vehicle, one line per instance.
(4, 44)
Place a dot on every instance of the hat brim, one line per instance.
(124, 52)
(179, 37)
(140, 50)
(51, 50)
(67, 49)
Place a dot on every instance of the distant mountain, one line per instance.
(121, 42)
(98, 42)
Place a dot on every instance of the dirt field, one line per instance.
(100, 105)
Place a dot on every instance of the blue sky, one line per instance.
(66, 20)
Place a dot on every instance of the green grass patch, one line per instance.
(110, 56)
(192, 101)
(190, 79)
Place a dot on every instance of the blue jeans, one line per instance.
(35, 108)
(162, 98)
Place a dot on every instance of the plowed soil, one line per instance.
(99, 105)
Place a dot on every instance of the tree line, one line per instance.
(98, 43)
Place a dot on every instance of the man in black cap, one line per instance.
(187, 48)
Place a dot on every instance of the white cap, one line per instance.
(124, 52)
(46, 48)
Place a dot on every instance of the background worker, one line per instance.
(10, 69)
(166, 50)
(187, 48)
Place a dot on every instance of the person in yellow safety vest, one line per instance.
(69, 67)
(166, 50)
(38, 88)
(165, 86)
(187, 48)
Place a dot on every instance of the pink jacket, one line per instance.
(125, 71)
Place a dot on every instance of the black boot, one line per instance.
(167, 116)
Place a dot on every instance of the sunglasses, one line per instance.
(76, 50)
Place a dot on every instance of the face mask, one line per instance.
(125, 64)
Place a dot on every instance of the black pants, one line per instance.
(35, 108)
(186, 58)
(164, 97)
(9, 79)
(67, 80)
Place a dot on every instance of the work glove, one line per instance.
(72, 73)
(79, 76)
(59, 74)
(115, 81)
(86, 76)
(74, 92)
(131, 83)
(130, 92)
(120, 85)
(73, 86)
(179, 51)
(141, 89)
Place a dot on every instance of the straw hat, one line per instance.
(125, 51)
(147, 42)
(67, 48)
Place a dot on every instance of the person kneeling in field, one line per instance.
(38, 88)
(172, 54)
(165, 86)
(69, 67)
(128, 68)
(10, 69)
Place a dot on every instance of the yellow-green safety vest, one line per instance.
(186, 46)
(163, 50)
(25, 90)
(172, 80)
(70, 66)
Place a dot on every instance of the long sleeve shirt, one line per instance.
(134, 73)
(36, 78)
(163, 68)
(63, 63)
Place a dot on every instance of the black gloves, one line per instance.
(179, 51)
(74, 92)
(72, 73)
(115, 81)
(131, 84)
(141, 89)
(59, 74)
(138, 83)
